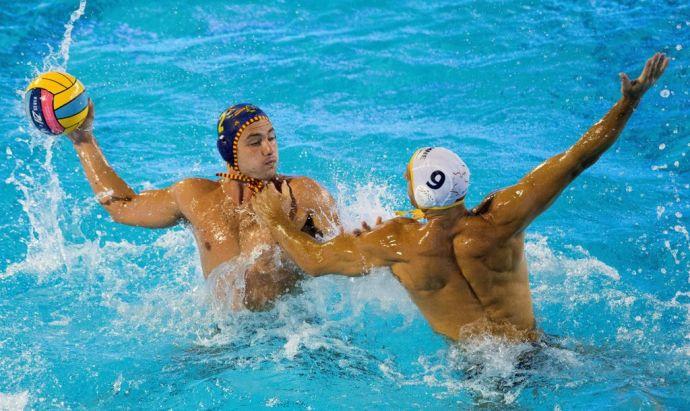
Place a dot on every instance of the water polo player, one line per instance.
(235, 251)
(465, 270)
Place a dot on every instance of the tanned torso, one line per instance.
(463, 281)
(225, 228)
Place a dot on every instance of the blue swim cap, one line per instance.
(231, 124)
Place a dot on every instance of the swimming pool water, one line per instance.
(98, 315)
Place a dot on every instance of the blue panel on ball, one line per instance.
(73, 107)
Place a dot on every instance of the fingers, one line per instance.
(663, 67)
(647, 68)
(654, 68)
(660, 66)
(379, 220)
(89, 115)
(625, 80)
(285, 191)
(365, 226)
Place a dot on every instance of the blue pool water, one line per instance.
(99, 315)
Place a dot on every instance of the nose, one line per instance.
(267, 147)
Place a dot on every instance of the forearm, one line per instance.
(601, 136)
(517, 206)
(314, 258)
(106, 184)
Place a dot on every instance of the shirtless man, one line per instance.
(218, 212)
(465, 270)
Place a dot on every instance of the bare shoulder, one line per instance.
(193, 187)
(304, 185)
(482, 232)
(307, 191)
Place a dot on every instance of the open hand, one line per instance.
(653, 69)
(269, 203)
(84, 131)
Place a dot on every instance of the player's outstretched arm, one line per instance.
(153, 209)
(345, 254)
(514, 208)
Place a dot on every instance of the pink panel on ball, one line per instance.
(49, 113)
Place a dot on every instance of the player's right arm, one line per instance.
(152, 208)
(345, 254)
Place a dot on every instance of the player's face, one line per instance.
(257, 151)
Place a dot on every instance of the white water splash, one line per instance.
(40, 186)
(542, 259)
(12, 402)
(59, 59)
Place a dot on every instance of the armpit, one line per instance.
(484, 206)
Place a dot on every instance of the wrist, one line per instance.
(81, 137)
(629, 100)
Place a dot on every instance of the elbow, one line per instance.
(313, 270)
(118, 215)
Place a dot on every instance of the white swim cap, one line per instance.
(438, 177)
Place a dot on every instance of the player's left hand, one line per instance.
(653, 69)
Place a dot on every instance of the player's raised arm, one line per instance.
(513, 209)
(153, 209)
(346, 254)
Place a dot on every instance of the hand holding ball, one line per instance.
(56, 103)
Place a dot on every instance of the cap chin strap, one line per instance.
(254, 184)
(420, 214)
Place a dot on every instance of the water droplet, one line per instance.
(665, 93)
(679, 47)
(662, 146)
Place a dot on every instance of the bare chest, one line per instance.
(224, 230)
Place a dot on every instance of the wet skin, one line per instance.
(465, 269)
(219, 213)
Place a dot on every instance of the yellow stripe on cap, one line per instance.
(70, 123)
(68, 95)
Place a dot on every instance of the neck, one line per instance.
(254, 184)
(455, 211)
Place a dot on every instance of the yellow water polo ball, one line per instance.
(56, 102)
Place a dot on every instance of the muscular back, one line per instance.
(463, 281)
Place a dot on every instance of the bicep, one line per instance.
(515, 207)
(152, 209)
